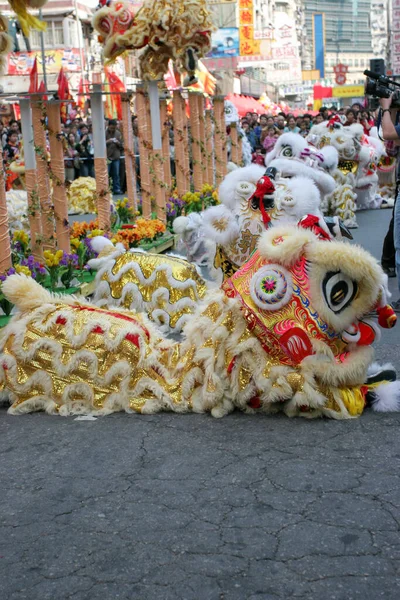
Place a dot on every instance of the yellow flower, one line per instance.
(24, 270)
(75, 243)
(215, 196)
(53, 260)
(21, 236)
(207, 189)
(95, 233)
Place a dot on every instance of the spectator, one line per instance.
(304, 131)
(258, 156)
(86, 152)
(12, 147)
(13, 127)
(324, 112)
(280, 122)
(264, 128)
(114, 148)
(3, 134)
(250, 134)
(270, 140)
(366, 121)
(351, 117)
(255, 125)
(318, 119)
(291, 125)
(71, 158)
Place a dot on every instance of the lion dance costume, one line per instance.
(287, 332)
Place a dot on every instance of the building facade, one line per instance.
(347, 34)
(68, 43)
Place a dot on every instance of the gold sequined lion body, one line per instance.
(178, 30)
(283, 334)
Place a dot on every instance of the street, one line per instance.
(171, 507)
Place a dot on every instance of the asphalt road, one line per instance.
(172, 507)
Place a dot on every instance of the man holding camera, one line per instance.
(391, 245)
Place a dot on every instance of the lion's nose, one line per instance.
(268, 202)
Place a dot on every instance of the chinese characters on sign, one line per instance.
(248, 45)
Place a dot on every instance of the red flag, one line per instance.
(83, 89)
(63, 93)
(42, 90)
(34, 78)
(63, 86)
(113, 101)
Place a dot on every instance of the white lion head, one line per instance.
(293, 157)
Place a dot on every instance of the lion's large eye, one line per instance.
(287, 151)
(339, 291)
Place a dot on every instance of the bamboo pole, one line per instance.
(128, 151)
(202, 131)
(196, 141)
(100, 159)
(179, 146)
(35, 224)
(5, 244)
(43, 182)
(234, 145)
(165, 143)
(143, 131)
(209, 148)
(220, 139)
(60, 199)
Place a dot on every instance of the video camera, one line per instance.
(379, 86)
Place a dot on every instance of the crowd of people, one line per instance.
(263, 131)
(78, 149)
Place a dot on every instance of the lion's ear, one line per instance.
(284, 245)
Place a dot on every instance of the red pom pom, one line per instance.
(387, 317)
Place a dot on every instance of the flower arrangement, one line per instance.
(190, 202)
(17, 208)
(82, 196)
(125, 213)
(142, 231)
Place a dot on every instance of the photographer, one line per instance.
(391, 246)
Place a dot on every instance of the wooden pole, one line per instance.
(177, 117)
(35, 224)
(5, 244)
(144, 136)
(181, 143)
(202, 136)
(234, 145)
(220, 139)
(60, 199)
(209, 148)
(100, 159)
(196, 142)
(42, 175)
(165, 143)
(128, 151)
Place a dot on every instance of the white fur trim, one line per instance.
(220, 225)
(100, 242)
(227, 189)
(387, 397)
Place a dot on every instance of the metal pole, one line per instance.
(43, 52)
(79, 28)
